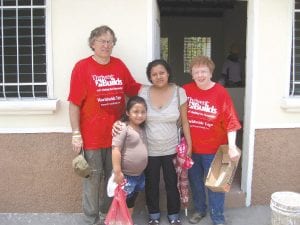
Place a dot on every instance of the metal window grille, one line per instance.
(195, 46)
(295, 61)
(164, 48)
(23, 49)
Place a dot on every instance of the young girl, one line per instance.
(166, 104)
(129, 150)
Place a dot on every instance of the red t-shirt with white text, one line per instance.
(211, 115)
(100, 92)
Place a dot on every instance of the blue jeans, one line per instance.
(134, 184)
(197, 176)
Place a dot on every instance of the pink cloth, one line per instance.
(182, 163)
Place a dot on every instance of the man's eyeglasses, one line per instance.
(103, 42)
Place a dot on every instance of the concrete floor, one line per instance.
(256, 215)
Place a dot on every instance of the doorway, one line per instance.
(190, 28)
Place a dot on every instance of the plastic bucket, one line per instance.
(285, 208)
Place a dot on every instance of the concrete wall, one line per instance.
(276, 163)
(36, 174)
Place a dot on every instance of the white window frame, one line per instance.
(9, 106)
(291, 103)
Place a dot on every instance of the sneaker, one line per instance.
(175, 222)
(196, 217)
(153, 222)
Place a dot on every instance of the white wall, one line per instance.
(72, 21)
(273, 64)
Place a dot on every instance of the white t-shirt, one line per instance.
(161, 124)
(233, 69)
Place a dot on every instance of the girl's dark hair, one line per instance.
(157, 62)
(131, 102)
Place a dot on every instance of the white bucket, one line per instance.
(285, 208)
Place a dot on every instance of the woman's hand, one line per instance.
(116, 128)
(233, 153)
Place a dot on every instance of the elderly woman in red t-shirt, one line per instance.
(213, 122)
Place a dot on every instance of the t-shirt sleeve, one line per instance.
(231, 119)
(119, 139)
(182, 94)
(131, 87)
(78, 87)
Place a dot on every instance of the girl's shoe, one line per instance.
(153, 222)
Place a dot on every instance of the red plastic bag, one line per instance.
(118, 213)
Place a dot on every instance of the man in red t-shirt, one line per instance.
(98, 88)
(213, 122)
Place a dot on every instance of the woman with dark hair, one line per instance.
(166, 104)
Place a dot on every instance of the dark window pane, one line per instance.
(24, 2)
(25, 77)
(25, 50)
(39, 50)
(40, 59)
(1, 92)
(297, 89)
(25, 68)
(10, 69)
(38, 2)
(10, 60)
(9, 2)
(297, 4)
(40, 91)
(26, 91)
(25, 60)
(11, 91)
(11, 78)
(39, 68)
(40, 77)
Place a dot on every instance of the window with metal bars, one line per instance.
(164, 48)
(23, 61)
(295, 61)
(195, 46)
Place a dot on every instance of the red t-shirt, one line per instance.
(211, 115)
(100, 92)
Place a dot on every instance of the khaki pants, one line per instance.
(95, 199)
